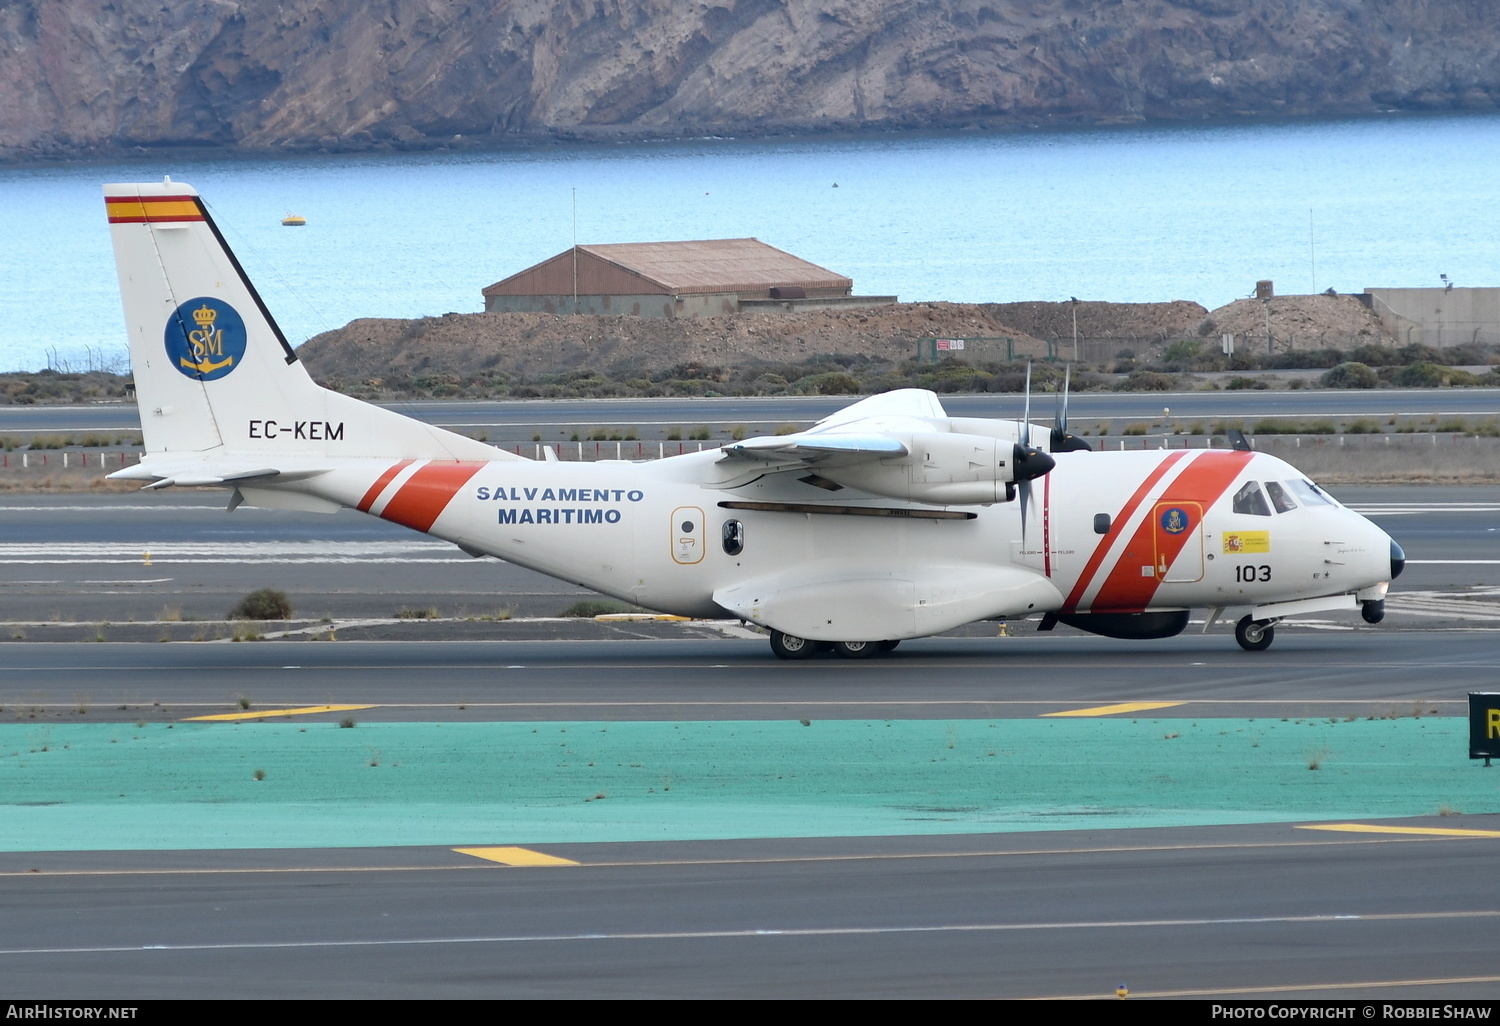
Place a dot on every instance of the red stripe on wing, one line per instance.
(427, 493)
(1127, 590)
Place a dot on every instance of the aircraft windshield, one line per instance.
(1249, 499)
(1309, 493)
(1279, 497)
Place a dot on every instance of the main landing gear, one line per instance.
(789, 646)
(1255, 635)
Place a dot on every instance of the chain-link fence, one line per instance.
(1140, 349)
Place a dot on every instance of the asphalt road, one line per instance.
(519, 418)
(1267, 910)
(1253, 912)
(1362, 671)
(1259, 910)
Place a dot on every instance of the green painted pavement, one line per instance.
(191, 786)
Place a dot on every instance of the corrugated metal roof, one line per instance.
(707, 265)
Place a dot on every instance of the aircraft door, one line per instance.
(687, 535)
(1178, 531)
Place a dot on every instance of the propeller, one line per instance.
(1030, 462)
(1061, 440)
(1020, 454)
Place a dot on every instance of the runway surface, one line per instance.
(922, 866)
(1254, 908)
(509, 416)
(1228, 912)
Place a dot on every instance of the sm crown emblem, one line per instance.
(205, 338)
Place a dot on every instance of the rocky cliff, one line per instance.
(85, 76)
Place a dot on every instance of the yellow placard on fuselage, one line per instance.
(1241, 542)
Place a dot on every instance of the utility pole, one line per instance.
(1075, 327)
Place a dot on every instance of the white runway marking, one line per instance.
(827, 931)
(1406, 509)
(413, 551)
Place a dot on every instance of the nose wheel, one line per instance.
(1254, 635)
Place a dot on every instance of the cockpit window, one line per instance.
(1250, 500)
(1309, 493)
(1279, 497)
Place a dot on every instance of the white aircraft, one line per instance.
(888, 520)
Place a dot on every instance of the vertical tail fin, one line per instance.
(212, 369)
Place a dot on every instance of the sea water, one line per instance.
(1130, 214)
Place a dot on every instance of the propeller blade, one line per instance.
(1026, 414)
(1025, 489)
(1062, 421)
(1061, 440)
(1030, 463)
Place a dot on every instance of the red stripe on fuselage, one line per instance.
(1116, 527)
(379, 485)
(424, 496)
(1047, 525)
(1126, 589)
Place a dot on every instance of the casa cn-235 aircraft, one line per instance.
(885, 521)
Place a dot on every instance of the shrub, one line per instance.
(1147, 381)
(263, 604)
(1350, 375)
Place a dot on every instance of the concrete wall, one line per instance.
(1439, 317)
(635, 306)
(800, 305)
(708, 304)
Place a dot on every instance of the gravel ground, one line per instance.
(529, 345)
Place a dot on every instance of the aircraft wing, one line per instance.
(900, 445)
(880, 427)
(813, 448)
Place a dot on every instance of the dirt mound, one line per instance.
(531, 345)
(1102, 320)
(1308, 321)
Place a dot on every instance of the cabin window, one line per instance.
(1279, 497)
(1101, 523)
(734, 537)
(1250, 500)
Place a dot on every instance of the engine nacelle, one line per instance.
(947, 470)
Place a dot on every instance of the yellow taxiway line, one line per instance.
(1114, 710)
(515, 856)
(1368, 828)
(306, 710)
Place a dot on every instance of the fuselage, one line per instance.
(1103, 533)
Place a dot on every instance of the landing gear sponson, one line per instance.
(789, 646)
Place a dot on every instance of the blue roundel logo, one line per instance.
(1175, 520)
(205, 338)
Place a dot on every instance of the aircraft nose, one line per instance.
(1398, 560)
